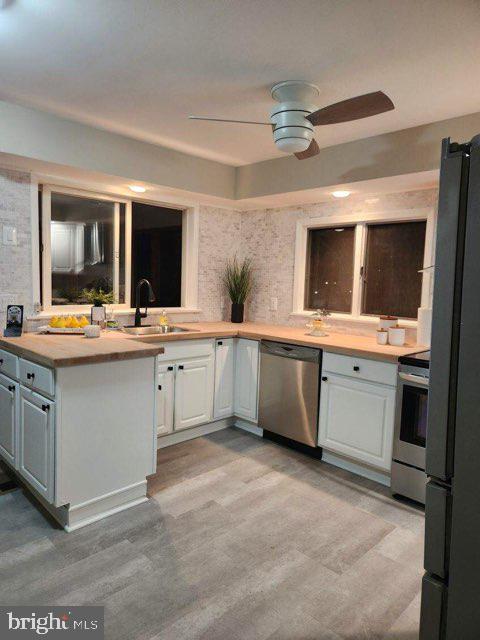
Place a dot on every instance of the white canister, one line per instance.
(382, 336)
(396, 336)
(385, 322)
(92, 331)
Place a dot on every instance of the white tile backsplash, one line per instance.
(15, 260)
(267, 236)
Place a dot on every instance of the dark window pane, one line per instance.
(329, 273)
(394, 255)
(157, 253)
(82, 247)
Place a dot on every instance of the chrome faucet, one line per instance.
(151, 298)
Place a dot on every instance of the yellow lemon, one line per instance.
(61, 323)
(83, 321)
(74, 324)
(53, 321)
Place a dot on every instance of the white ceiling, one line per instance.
(139, 67)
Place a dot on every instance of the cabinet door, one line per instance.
(193, 392)
(356, 419)
(8, 414)
(165, 393)
(224, 373)
(246, 379)
(36, 442)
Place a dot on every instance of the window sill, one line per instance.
(83, 310)
(348, 318)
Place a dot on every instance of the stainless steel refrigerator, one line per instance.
(451, 585)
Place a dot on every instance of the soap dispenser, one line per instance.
(163, 319)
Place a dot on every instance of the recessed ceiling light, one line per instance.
(137, 188)
(340, 194)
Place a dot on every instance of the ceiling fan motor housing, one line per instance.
(293, 133)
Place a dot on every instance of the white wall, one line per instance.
(15, 261)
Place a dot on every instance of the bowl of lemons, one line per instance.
(66, 324)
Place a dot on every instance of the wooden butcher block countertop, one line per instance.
(344, 343)
(69, 350)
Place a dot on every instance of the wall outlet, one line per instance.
(9, 235)
(273, 304)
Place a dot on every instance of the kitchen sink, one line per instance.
(154, 330)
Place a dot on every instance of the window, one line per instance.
(393, 258)
(91, 241)
(329, 274)
(365, 268)
(157, 253)
(85, 239)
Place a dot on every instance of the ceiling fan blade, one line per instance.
(370, 104)
(226, 120)
(312, 150)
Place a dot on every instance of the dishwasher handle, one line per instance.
(294, 352)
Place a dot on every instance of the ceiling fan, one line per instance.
(293, 118)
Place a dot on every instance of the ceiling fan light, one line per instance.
(292, 145)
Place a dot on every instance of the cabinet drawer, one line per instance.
(8, 364)
(34, 376)
(371, 370)
(186, 349)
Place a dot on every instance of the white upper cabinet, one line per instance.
(224, 376)
(194, 392)
(165, 398)
(8, 413)
(356, 418)
(246, 379)
(36, 442)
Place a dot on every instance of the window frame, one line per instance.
(190, 250)
(360, 222)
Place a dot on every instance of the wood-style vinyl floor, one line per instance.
(241, 539)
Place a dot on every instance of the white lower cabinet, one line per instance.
(8, 419)
(165, 398)
(224, 377)
(36, 442)
(185, 388)
(193, 393)
(356, 419)
(246, 379)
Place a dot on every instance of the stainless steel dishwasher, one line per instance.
(289, 391)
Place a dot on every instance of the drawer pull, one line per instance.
(30, 376)
(11, 387)
(180, 366)
(324, 378)
(159, 387)
(219, 343)
(45, 407)
(170, 368)
(356, 368)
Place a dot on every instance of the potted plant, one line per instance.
(98, 298)
(238, 282)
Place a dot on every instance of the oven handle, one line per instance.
(412, 377)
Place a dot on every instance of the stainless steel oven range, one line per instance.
(408, 464)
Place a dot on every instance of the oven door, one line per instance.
(411, 418)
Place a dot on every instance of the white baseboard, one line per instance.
(87, 512)
(194, 432)
(248, 426)
(382, 477)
